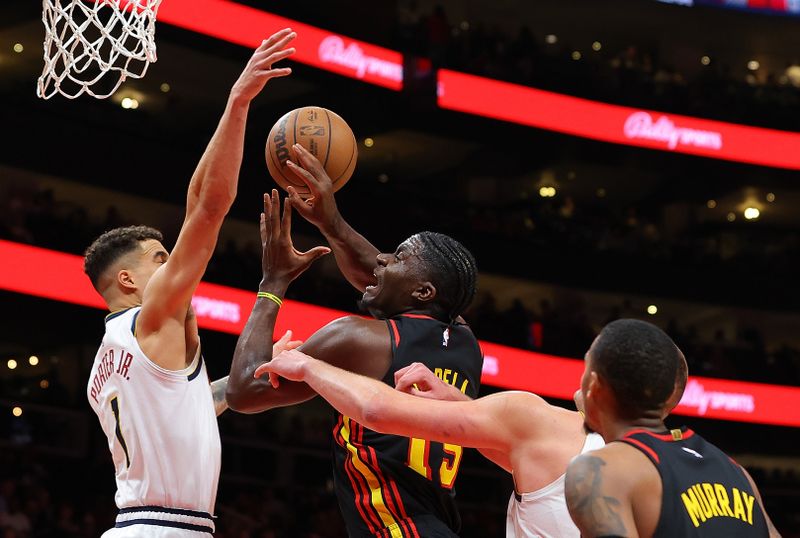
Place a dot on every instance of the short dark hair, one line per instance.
(639, 361)
(452, 270)
(112, 245)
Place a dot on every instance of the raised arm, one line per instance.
(494, 421)
(355, 255)
(211, 192)
(281, 263)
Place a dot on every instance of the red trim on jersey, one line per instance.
(396, 333)
(360, 487)
(372, 460)
(661, 436)
(643, 446)
(416, 316)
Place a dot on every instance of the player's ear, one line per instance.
(425, 292)
(126, 280)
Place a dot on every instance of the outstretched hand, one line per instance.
(418, 380)
(290, 364)
(319, 209)
(280, 261)
(258, 70)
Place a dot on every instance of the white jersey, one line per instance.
(162, 431)
(543, 513)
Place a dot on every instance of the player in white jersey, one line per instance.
(148, 385)
(518, 431)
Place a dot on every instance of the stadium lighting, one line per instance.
(17, 411)
(129, 103)
(165, 88)
(731, 216)
(751, 213)
(711, 204)
(753, 65)
(12, 364)
(652, 310)
(33, 360)
(596, 46)
(705, 60)
(369, 142)
(770, 197)
(551, 39)
(576, 55)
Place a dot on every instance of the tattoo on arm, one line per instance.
(218, 392)
(594, 513)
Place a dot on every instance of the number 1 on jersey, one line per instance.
(419, 455)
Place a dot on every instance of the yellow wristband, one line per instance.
(274, 298)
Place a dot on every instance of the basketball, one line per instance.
(324, 134)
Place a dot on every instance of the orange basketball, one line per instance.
(324, 134)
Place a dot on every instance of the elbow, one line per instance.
(242, 400)
(373, 413)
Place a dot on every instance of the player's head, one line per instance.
(632, 372)
(121, 261)
(429, 272)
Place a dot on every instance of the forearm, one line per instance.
(218, 388)
(214, 182)
(245, 393)
(358, 397)
(355, 255)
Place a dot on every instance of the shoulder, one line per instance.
(357, 344)
(351, 328)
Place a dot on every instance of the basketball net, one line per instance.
(92, 46)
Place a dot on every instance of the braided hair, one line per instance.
(452, 270)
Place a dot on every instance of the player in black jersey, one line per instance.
(649, 481)
(387, 486)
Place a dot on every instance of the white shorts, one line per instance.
(153, 531)
(160, 522)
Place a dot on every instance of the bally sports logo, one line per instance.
(205, 307)
(332, 50)
(640, 125)
(701, 399)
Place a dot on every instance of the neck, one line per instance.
(123, 303)
(614, 427)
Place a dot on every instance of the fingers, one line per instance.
(316, 252)
(261, 370)
(281, 343)
(276, 57)
(278, 40)
(274, 380)
(307, 160)
(293, 344)
(275, 211)
(262, 228)
(304, 207)
(286, 221)
(305, 176)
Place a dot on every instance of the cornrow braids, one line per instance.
(452, 270)
(112, 245)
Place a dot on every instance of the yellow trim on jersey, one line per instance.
(376, 495)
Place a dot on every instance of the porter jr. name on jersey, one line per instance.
(107, 368)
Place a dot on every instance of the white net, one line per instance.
(92, 46)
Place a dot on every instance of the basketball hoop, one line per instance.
(92, 46)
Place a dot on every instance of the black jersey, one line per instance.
(705, 493)
(395, 487)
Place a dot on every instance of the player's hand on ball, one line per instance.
(290, 364)
(320, 209)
